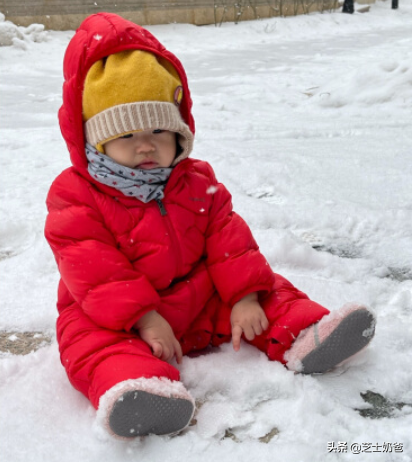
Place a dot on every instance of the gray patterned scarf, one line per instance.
(145, 185)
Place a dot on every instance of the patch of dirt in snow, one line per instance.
(399, 274)
(267, 193)
(340, 247)
(267, 438)
(22, 343)
(263, 439)
(340, 250)
(380, 407)
(4, 254)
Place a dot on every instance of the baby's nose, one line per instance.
(144, 144)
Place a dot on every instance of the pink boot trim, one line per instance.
(335, 338)
(158, 387)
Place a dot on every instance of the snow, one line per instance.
(307, 121)
(12, 35)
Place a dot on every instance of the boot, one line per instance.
(334, 339)
(140, 407)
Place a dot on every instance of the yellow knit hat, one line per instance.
(133, 91)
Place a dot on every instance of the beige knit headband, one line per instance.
(148, 115)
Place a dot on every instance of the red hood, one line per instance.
(101, 35)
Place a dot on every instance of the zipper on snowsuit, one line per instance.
(162, 207)
(173, 237)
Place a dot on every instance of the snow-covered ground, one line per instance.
(19, 37)
(308, 122)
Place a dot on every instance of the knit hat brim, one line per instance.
(126, 118)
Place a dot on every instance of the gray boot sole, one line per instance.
(347, 339)
(138, 413)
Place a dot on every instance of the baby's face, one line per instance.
(145, 150)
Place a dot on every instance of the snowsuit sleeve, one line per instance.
(98, 276)
(234, 261)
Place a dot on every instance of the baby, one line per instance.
(154, 262)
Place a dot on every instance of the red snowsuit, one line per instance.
(119, 258)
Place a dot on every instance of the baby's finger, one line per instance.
(157, 349)
(249, 332)
(264, 322)
(236, 334)
(178, 352)
(166, 356)
(257, 327)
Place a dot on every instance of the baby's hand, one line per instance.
(157, 333)
(249, 318)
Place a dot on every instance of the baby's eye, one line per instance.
(129, 135)
(158, 130)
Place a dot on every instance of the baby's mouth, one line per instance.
(147, 164)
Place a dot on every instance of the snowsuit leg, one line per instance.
(96, 359)
(289, 311)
